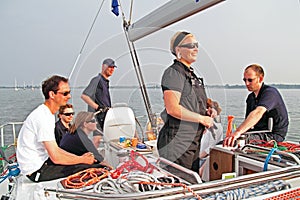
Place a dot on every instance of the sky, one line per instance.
(42, 38)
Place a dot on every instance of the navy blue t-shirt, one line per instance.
(270, 98)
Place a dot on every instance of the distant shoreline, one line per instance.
(227, 86)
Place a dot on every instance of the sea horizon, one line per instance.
(225, 86)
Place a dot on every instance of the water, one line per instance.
(16, 105)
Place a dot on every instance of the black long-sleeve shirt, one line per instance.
(78, 143)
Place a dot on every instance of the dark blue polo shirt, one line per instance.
(98, 91)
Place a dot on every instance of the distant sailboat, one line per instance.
(16, 85)
(32, 88)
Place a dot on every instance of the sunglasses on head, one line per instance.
(248, 79)
(190, 45)
(69, 114)
(92, 121)
(64, 93)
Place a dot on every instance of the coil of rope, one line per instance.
(85, 178)
(136, 182)
(126, 184)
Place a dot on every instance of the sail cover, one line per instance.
(169, 13)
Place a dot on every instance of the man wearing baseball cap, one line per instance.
(97, 96)
(109, 62)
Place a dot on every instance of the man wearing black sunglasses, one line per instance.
(264, 102)
(97, 96)
(38, 154)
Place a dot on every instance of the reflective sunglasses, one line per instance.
(92, 121)
(190, 45)
(69, 114)
(64, 93)
(248, 79)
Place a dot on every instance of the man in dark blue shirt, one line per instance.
(97, 96)
(263, 103)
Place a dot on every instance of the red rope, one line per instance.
(292, 194)
(132, 164)
(290, 147)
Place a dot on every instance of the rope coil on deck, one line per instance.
(136, 182)
(85, 178)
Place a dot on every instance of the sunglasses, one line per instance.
(190, 45)
(92, 121)
(64, 93)
(248, 79)
(69, 114)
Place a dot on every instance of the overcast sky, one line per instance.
(41, 38)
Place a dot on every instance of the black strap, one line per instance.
(188, 72)
(196, 82)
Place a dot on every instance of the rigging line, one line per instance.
(126, 23)
(137, 68)
(130, 16)
(139, 77)
(86, 38)
(143, 86)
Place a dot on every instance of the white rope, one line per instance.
(253, 191)
(131, 183)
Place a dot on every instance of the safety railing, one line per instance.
(9, 133)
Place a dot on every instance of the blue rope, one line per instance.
(3, 178)
(268, 158)
(13, 170)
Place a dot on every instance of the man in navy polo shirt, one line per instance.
(263, 103)
(97, 96)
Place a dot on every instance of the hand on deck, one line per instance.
(229, 141)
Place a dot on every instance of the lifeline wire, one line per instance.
(86, 38)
